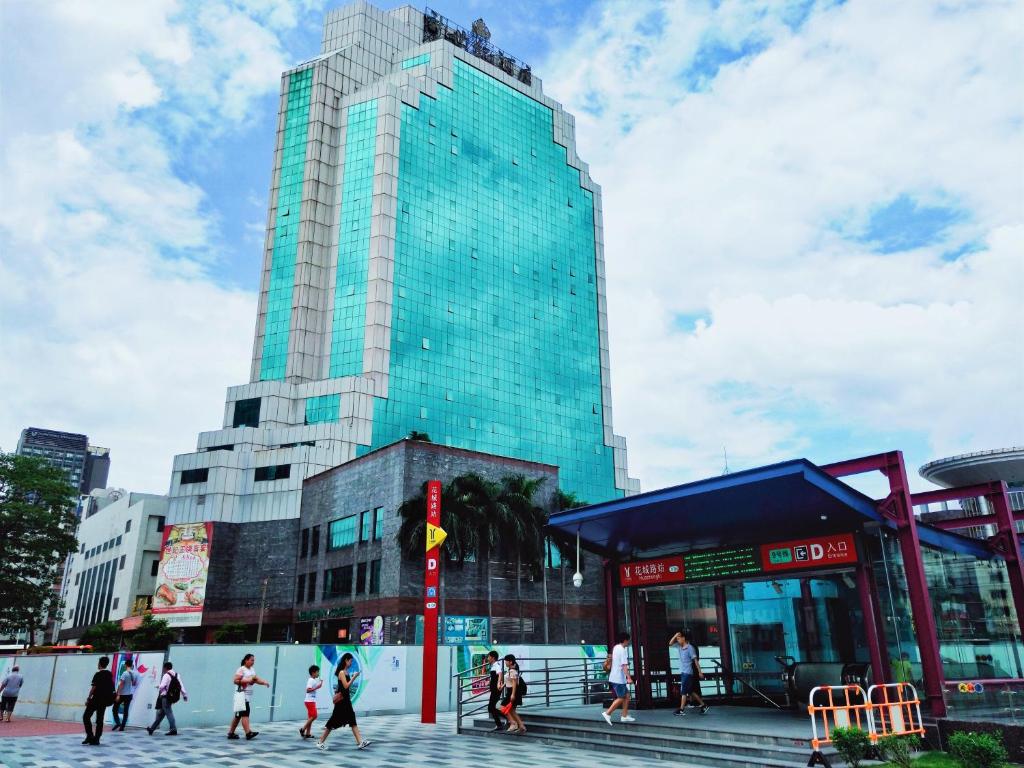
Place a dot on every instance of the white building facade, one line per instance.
(113, 574)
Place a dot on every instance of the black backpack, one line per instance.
(174, 690)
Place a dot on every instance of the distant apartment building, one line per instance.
(113, 574)
(87, 466)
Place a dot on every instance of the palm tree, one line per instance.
(523, 522)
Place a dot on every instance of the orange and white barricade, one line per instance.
(896, 710)
(836, 706)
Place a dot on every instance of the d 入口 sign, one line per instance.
(809, 553)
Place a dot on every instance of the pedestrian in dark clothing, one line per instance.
(495, 684)
(343, 713)
(101, 696)
(126, 685)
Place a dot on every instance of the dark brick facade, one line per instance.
(382, 480)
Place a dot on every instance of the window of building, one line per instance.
(378, 523)
(82, 550)
(191, 476)
(341, 533)
(300, 593)
(160, 524)
(117, 542)
(278, 472)
(247, 413)
(304, 543)
(116, 601)
(360, 578)
(314, 541)
(120, 567)
(128, 526)
(154, 568)
(311, 588)
(366, 525)
(338, 582)
(375, 577)
(77, 576)
(226, 447)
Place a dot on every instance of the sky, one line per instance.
(814, 218)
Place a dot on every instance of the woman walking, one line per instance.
(245, 678)
(514, 690)
(343, 713)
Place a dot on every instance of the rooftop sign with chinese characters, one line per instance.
(740, 562)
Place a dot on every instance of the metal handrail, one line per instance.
(559, 682)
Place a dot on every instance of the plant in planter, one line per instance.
(899, 750)
(977, 750)
(852, 744)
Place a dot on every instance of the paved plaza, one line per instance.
(399, 741)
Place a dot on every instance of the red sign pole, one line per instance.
(431, 597)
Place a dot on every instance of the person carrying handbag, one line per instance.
(343, 713)
(245, 678)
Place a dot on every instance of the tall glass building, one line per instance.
(434, 262)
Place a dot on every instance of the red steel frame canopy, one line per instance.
(801, 500)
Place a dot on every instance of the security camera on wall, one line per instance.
(577, 579)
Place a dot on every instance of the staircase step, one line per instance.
(691, 757)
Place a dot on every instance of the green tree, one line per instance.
(423, 437)
(105, 636)
(152, 635)
(522, 529)
(230, 632)
(37, 533)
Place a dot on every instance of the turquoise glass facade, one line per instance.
(494, 341)
(354, 241)
(286, 227)
(322, 409)
(415, 61)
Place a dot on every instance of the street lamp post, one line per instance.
(263, 605)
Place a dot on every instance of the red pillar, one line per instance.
(724, 638)
(1007, 544)
(875, 637)
(431, 598)
(917, 585)
(611, 602)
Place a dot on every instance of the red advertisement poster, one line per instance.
(809, 553)
(662, 570)
(181, 580)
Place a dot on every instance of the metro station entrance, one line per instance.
(749, 633)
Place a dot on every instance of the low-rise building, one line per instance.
(113, 574)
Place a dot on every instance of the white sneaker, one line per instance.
(627, 719)
(607, 717)
(363, 744)
(321, 745)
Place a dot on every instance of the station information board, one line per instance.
(739, 562)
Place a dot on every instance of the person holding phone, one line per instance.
(343, 713)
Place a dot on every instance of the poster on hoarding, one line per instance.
(181, 580)
(466, 629)
(371, 630)
(147, 669)
(381, 681)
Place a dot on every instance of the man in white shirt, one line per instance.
(620, 680)
(495, 683)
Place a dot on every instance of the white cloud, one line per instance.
(112, 323)
(726, 201)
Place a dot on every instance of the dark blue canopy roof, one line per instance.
(791, 500)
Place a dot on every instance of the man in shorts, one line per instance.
(9, 690)
(620, 680)
(689, 670)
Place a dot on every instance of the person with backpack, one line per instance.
(245, 678)
(126, 685)
(170, 692)
(495, 684)
(515, 689)
(101, 696)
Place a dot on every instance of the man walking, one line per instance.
(101, 696)
(9, 690)
(620, 680)
(170, 691)
(495, 685)
(689, 669)
(124, 693)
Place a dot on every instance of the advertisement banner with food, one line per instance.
(181, 580)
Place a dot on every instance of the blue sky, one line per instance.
(812, 217)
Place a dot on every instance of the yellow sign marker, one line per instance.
(435, 536)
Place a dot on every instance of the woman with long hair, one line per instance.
(513, 695)
(343, 713)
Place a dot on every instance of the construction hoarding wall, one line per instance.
(56, 686)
